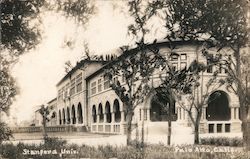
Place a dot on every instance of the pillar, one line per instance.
(232, 113)
(105, 117)
(148, 114)
(122, 116)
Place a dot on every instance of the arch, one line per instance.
(159, 107)
(60, 117)
(79, 113)
(116, 108)
(108, 112)
(218, 107)
(94, 115)
(73, 112)
(68, 116)
(64, 118)
(100, 113)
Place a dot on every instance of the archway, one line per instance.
(79, 113)
(64, 118)
(68, 116)
(94, 114)
(161, 109)
(100, 113)
(73, 115)
(60, 118)
(108, 112)
(218, 107)
(116, 109)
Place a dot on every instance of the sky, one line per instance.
(38, 71)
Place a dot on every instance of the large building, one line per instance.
(86, 102)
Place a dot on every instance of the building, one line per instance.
(86, 101)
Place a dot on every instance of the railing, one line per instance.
(33, 129)
(114, 128)
(219, 126)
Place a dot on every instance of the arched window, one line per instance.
(79, 112)
(64, 118)
(68, 116)
(60, 117)
(108, 113)
(161, 109)
(218, 107)
(94, 116)
(73, 115)
(117, 111)
(100, 113)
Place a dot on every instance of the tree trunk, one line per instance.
(129, 127)
(169, 130)
(196, 133)
(243, 104)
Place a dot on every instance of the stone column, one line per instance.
(122, 116)
(232, 113)
(148, 114)
(104, 117)
(237, 113)
(98, 118)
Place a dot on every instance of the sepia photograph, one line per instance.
(124, 79)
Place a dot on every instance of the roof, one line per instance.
(78, 66)
(135, 50)
(52, 100)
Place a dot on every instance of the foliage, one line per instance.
(222, 141)
(5, 132)
(223, 22)
(157, 151)
(79, 10)
(16, 32)
(44, 111)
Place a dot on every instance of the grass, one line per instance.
(157, 151)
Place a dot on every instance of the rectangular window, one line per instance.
(183, 65)
(175, 66)
(209, 64)
(227, 127)
(93, 88)
(211, 128)
(79, 82)
(72, 87)
(219, 128)
(106, 82)
(183, 56)
(99, 85)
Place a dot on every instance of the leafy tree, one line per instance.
(44, 111)
(5, 132)
(135, 67)
(16, 37)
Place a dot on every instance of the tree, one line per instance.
(44, 111)
(16, 37)
(224, 23)
(135, 66)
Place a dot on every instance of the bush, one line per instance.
(222, 141)
(5, 132)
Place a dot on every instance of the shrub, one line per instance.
(222, 141)
(5, 132)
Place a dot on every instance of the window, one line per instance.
(115, 79)
(183, 65)
(99, 85)
(183, 56)
(174, 57)
(79, 82)
(72, 87)
(106, 82)
(209, 64)
(93, 88)
(175, 66)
